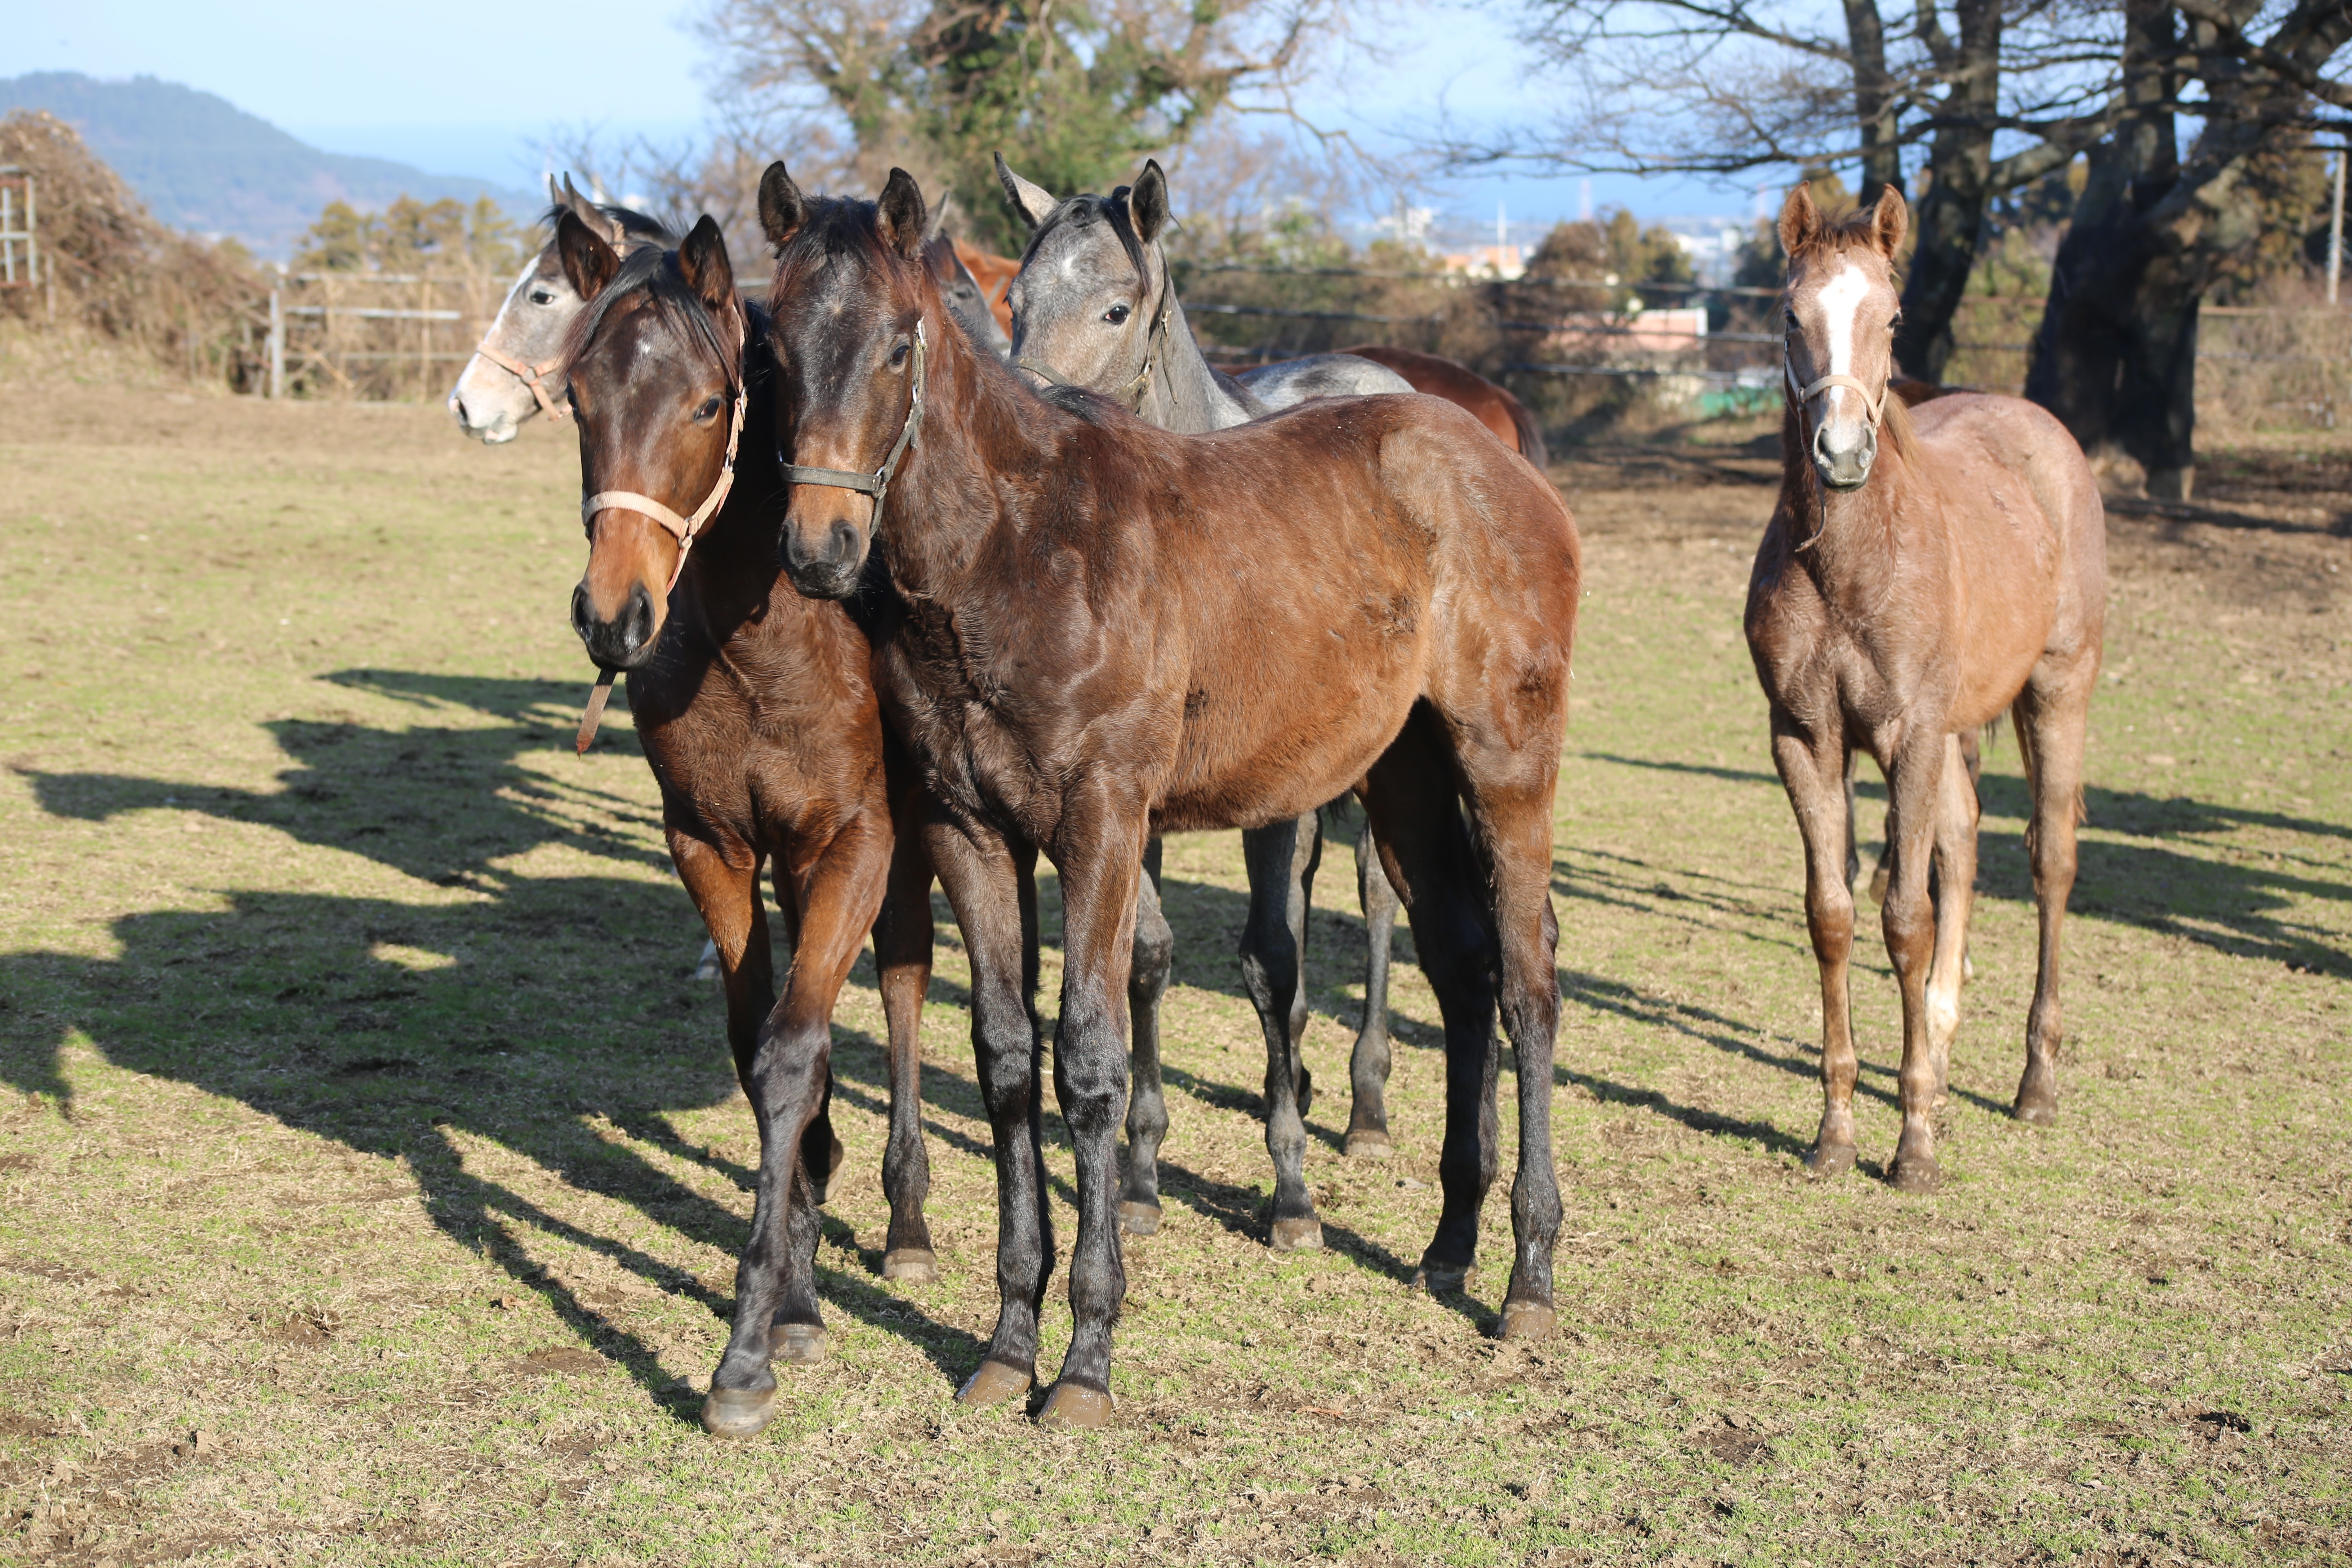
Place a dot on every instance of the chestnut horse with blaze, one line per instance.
(756, 710)
(1112, 630)
(1925, 571)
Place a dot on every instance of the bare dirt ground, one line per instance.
(373, 1171)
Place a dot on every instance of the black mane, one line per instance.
(655, 271)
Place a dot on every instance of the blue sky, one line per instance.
(474, 88)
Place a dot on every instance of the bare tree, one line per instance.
(1074, 93)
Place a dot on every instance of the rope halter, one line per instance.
(682, 529)
(877, 483)
(1875, 409)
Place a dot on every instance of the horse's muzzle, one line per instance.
(625, 641)
(828, 571)
(1843, 451)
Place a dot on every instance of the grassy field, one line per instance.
(372, 1170)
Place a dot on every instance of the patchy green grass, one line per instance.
(372, 1171)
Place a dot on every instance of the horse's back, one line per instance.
(1289, 383)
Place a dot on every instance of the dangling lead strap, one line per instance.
(597, 694)
(877, 483)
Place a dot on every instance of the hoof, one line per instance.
(799, 1344)
(737, 1412)
(1298, 1235)
(995, 1384)
(1527, 1321)
(2035, 1112)
(1829, 1159)
(1139, 1219)
(1369, 1144)
(915, 1265)
(1074, 1407)
(1914, 1173)
(1441, 1280)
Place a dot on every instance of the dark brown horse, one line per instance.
(1922, 574)
(1112, 630)
(756, 708)
(1494, 406)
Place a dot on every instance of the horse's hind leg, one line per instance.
(1146, 1105)
(1955, 895)
(2051, 716)
(1417, 817)
(902, 955)
(1368, 1064)
(1281, 861)
(1814, 768)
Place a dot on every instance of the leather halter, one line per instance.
(682, 529)
(1155, 344)
(534, 376)
(877, 483)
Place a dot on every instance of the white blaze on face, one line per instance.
(1840, 297)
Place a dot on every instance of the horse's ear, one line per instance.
(1800, 220)
(783, 208)
(588, 261)
(554, 191)
(1890, 223)
(1034, 203)
(589, 212)
(1147, 205)
(900, 215)
(702, 262)
(936, 226)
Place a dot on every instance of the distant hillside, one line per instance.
(200, 163)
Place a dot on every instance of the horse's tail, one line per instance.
(1531, 441)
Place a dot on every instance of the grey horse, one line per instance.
(1094, 307)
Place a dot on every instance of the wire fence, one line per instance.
(1573, 344)
(374, 336)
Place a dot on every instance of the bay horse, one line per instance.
(1095, 306)
(756, 710)
(1496, 408)
(517, 370)
(1924, 571)
(1111, 630)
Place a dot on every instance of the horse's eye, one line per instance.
(1792, 320)
(1117, 314)
(709, 409)
(898, 356)
(541, 297)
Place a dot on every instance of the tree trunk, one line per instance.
(1949, 216)
(2116, 355)
(1874, 95)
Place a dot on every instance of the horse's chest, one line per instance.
(757, 749)
(988, 746)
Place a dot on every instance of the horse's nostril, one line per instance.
(641, 618)
(583, 612)
(845, 544)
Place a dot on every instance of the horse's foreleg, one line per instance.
(837, 889)
(902, 956)
(1814, 770)
(1914, 785)
(989, 884)
(1411, 799)
(1955, 895)
(2051, 716)
(724, 883)
(1146, 1105)
(1100, 873)
(1368, 1064)
(1280, 861)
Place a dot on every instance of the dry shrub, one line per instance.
(115, 272)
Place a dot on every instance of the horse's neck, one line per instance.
(979, 423)
(1848, 537)
(732, 565)
(1184, 394)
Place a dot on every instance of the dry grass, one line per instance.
(371, 1174)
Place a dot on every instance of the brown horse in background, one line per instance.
(1923, 572)
(994, 274)
(1112, 630)
(1456, 383)
(757, 711)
